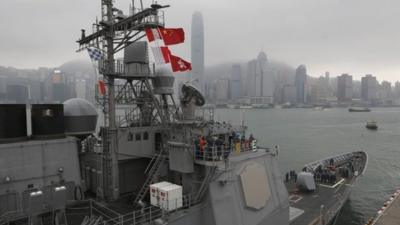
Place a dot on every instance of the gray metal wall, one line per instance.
(34, 165)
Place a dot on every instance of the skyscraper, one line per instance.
(300, 83)
(265, 80)
(222, 90)
(368, 88)
(344, 88)
(197, 51)
(251, 78)
(385, 92)
(236, 82)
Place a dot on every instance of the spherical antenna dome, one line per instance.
(80, 117)
(79, 107)
(190, 92)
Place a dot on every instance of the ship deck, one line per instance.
(305, 207)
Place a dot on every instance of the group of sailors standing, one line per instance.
(325, 175)
(216, 147)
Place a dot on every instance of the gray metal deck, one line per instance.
(310, 203)
(306, 206)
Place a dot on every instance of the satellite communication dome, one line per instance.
(191, 93)
(80, 117)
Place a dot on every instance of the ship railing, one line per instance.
(9, 216)
(141, 216)
(157, 19)
(216, 152)
(147, 214)
(119, 68)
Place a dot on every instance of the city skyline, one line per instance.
(345, 40)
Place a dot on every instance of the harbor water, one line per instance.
(306, 135)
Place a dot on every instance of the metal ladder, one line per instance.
(152, 170)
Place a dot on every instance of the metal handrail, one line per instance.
(219, 153)
(137, 217)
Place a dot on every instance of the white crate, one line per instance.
(171, 197)
(155, 192)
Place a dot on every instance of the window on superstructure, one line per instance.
(138, 137)
(130, 136)
(145, 136)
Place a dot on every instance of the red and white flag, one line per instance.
(179, 65)
(172, 36)
(161, 54)
(152, 34)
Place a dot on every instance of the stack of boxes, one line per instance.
(167, 196)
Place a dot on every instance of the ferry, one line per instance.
(372, 125)
(359, 109)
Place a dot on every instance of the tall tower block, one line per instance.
(197, 51)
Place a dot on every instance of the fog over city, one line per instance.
(357, 37)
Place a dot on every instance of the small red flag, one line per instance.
(172, 36)
(179, 65)
(152, 34)
(102, 87)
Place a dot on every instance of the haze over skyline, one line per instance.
(357, 37)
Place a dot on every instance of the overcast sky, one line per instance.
(340, 36)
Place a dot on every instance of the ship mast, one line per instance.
(115, 32)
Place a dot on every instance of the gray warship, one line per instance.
(154, 160)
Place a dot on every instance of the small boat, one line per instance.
(372, 125)
(318, 108)
(359, 109)
(262, 106)
(233, 106)
(246, 107)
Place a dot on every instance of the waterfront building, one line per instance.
(385, 90)
(236, 82)
(265, 77)
(80, 88)
(368, 88)
(289, 94)
(260, 80)
(397, 90)
(222, 90)
(251, 78)
(300, 83)
(344, 88)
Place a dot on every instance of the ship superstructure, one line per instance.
(155, 160)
